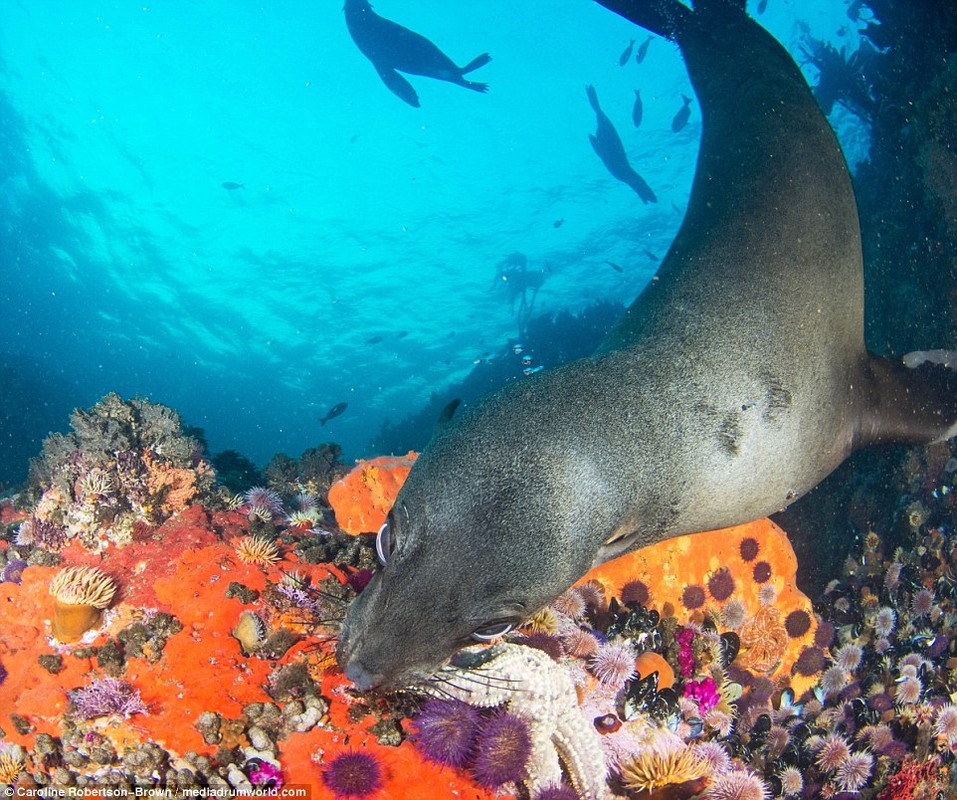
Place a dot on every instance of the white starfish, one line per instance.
(541, 692)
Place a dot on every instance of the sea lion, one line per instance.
(734, 383)
(391, 47)
(608, 147)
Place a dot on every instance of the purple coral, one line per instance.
(445, 731)
(105, 697)
(501, 750)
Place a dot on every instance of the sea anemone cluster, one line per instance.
(124, 463)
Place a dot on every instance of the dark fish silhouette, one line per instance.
(446, 414)
(684, 113)
(608, 146)
(674, 205)
(374, 340)
(393, 49)
(232, 185)
(401, 334)
(333, 412)
(762, 6)
(626, 54)
(643, 50)
(615, 266)
(650, 255)
(558, 223)
(637, 111)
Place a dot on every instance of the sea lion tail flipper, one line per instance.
(475, 63)
(664, 17)
(398, 85)
(910, 401)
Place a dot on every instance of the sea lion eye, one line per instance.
(492, 631)
(384, 544)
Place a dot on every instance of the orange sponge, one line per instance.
(362, 498)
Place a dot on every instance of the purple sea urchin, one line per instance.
(797, 623)
(945, 725)
(445, 731)
(792, 782)
(562, 792)
(738, 784)
(263, 499)
(692, 597)
(721, 584)
(502, 749)
(635, 592)
(922, 603)
(848, 657)
(614, 663)
(353, 774)
(832, 752)
(734, 614)
(908, 691)
(884, 622)
(853, 774)
(761, 572)
(749, 548)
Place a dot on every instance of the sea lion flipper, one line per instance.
(398, 85)
(909, 401)
(475, 63)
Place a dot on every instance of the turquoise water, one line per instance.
(126, 266)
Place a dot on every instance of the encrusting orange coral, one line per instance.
(363, 498)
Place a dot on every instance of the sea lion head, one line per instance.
(484, 532)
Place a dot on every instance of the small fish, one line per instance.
(674, 205)
(643, 50)
(637, 111)
(373, 340)
(333, 412)
(232, 185)
(762, 6)
(558, 223)
(650, 255)
(401, 334)
(614, 266)
(684, 113)
(626, 54)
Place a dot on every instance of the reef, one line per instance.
(694, 668)
(125, 466)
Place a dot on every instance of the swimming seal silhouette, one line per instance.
(733, 384)
(391, 47)
(608, 147)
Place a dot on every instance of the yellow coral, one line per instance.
(651, 769)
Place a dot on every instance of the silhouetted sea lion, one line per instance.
(734, 383)
(391, 47)
(608, 146)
